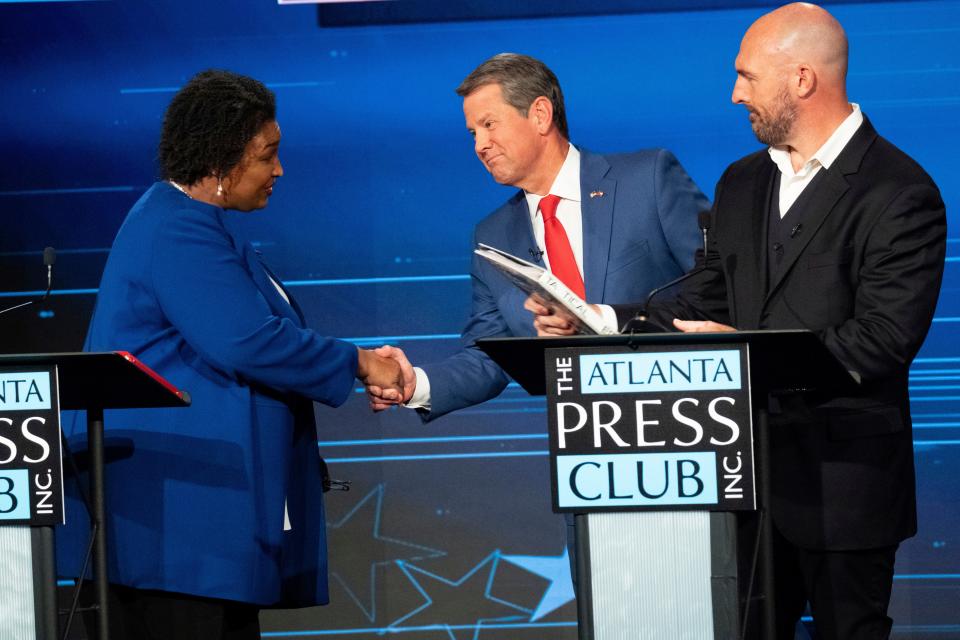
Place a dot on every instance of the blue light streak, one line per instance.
(272, 85)
(481, 412)
(486, 626)
(442, 456)
(379, 340)
(45, 192)
(377, 280)
(360, 443)
(37, 293)
(534, 453)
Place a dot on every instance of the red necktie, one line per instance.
(562, 263)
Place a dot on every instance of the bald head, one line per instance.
(791, 76)
(802, 33)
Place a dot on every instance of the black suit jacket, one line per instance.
(864, 273)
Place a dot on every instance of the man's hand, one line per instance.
(383, 374)
(552, 321)
(700, 326)
(379, 400)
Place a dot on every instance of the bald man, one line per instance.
(832, 229)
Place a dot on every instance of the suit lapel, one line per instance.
(747, 228)
(762, 198)
(519, 238)
(597, 221)
(824, 200)
(262, 275)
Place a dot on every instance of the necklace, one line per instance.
(179, 188)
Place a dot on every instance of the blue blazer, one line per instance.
(195, 496)
(641, 233)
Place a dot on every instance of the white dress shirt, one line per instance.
(566, 185)
(792, 183)
(283, 294)
(286, 513)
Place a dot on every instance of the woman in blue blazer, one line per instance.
(215, 510)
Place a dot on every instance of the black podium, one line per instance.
(89, 382)
(652, 447)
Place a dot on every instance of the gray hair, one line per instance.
(522, 79)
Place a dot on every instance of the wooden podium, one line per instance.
(89, 382)
(652, 447)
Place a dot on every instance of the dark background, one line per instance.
(447, 532)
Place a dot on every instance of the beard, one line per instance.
(773, 128)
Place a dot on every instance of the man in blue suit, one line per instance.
(630, 221)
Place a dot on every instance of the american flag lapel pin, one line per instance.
(596, 194)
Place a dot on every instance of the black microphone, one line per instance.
(642, 318)
(536, 254)
(49, 258)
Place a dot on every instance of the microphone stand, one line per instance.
(642, 322)
(49, 257)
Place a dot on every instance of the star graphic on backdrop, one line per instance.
(355, 566)
(458, 606)
(556, 570)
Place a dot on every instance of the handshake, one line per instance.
(390, 379)
(387, 375)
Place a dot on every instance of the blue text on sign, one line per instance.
(24, 391)
(663, 371)
(642, 479)
(14, 494)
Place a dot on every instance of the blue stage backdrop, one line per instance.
(447, 533)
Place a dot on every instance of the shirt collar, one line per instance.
(827, 153)
(566, 184)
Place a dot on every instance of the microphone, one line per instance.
(642, 318)
(536, 254)
(703, 221)
(49, 258)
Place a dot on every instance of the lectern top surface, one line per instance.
(782, 360)
(110, 380)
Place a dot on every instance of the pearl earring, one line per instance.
(219, 187)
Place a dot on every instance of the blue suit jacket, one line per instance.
(195, 496)
(639, 234)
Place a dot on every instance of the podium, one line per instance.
(89, 382)
(652, 448)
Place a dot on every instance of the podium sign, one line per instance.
(31, 474)
(668, 427)
(639, 411)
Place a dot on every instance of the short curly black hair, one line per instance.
(209, 123)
